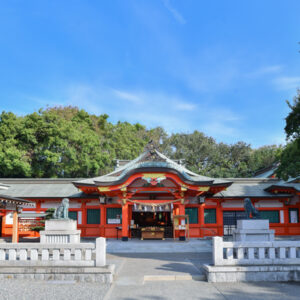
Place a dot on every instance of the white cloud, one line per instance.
(278, 139)
(266, 70)
(184, 106)
(178, 17)
(128, 96)
(152, 109)
(219, 129)
(43, 101)
(202, 74)
(287, 82)
(221, 122)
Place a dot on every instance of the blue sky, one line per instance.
(221, 67)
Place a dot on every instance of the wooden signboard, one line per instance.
(181, 222)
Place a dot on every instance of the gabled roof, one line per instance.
(294, 180)
(284, 186)
(4, 199)
(151, 160)
(40, 187)
(250, 187)
(267, 172)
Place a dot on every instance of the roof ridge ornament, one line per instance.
(152, 154)
(150, 147)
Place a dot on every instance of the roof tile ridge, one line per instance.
(176, 164)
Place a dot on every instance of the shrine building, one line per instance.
(153, 196)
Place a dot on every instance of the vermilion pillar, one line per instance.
(102, 220)
(181, 209)
(219, 219)
(15, 233)
(125, 222)
(201, 217)
(286, 219)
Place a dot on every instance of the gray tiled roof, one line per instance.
(141, 162)
(43, 188)
(250, 187)
(52, 188)
(281, 183)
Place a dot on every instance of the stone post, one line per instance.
(217, 251)
(100, 252)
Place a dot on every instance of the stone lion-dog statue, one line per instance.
(249, 208)
(62, 211)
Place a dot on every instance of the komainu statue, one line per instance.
(62, 212)
(249, 208)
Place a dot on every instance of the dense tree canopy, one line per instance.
(69, 142)
(290, 157)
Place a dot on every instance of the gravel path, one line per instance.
(14, 289)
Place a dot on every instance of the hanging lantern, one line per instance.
(160, 208)
(167, 207)
(171, 205)
(140, 207)
(153, 208)
(145, 208)
(134, 206)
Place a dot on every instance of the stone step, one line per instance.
(198, 277)
(86, 274)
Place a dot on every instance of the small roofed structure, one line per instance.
(15, 205)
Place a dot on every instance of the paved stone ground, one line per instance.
(158, 246)
(15, 289)
(176, 276)
(195, 290)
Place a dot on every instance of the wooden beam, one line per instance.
(15, 233)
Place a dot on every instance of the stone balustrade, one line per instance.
(50, 255)
(255, 253)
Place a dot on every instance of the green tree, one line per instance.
(14, 159)
(69, 142)
(290, 157)
(205, 156)
(63, 142)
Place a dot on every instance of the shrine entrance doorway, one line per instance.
(152, 221)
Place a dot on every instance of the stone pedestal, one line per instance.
(253, 230)
(60, 231)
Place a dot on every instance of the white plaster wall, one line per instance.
(55, 204)
(233, 203)
(268, 203)
(79, 217)
(209, 202)
(9, 218)
(93, 203)
(50, 204)
(75, 204)
(281, 216)
(33, 205)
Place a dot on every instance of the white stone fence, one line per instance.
(255, 253)
(50, 255)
